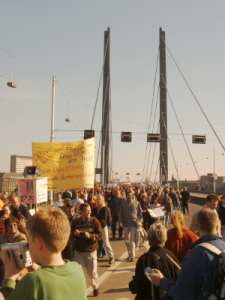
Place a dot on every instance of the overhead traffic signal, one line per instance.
(153, 137)
(98, 171)
(89, 133)
(126, 137)
(198, 139)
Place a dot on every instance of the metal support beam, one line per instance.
(52, 129)
(105, 145)
(163, 109)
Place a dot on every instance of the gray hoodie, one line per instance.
(130, 212)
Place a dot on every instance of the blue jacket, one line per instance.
(196, 279)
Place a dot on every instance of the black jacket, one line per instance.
(81, 242)
(221, 213)
(154, 258)
(103, 214)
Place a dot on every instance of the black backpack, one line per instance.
(219, 293)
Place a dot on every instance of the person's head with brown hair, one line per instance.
(48, 234)
(100, 201)
(212, 201)
(5, 212)
(13, 230)
(155, 198)
(11, 226)
(68, 209)
(144, 196)
(85, 211)
(222, 200)
(15, 201)
(207, 222)
(177, 220)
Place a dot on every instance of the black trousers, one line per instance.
(115, 225)
(185, 207)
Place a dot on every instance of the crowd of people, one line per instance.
(73, 233)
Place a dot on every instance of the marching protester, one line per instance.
(103, 214)
(114, 205)
(221, 213)
(179, 238)
(18, 209)
(198, 277)
(175, 198)
(48, 233)
(89, 234)
(130, 216)
(211, 202)
(148, 220)
(69, 210)
(86, 232)
(77, 201)
(4, 215)
(156, 257)
(12, 233)
(167, 203)
(3, 199)
(185, 198)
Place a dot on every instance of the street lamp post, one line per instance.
(52, 130)
(128, 176)
(214, 171)
(138, 176)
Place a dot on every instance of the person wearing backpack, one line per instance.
(200, 277)
(156, 257)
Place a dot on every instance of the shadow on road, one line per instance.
(121, 290)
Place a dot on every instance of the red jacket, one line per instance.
(180, 246)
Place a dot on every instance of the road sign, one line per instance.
(33, 190)
(126, 137)
(89, 133)
(153, 137)
(98, 171)
(198, 139)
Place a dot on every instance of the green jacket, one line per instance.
(49, 283)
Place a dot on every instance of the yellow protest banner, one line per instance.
(67, 165)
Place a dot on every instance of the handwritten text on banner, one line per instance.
(67, 165)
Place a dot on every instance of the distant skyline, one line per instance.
(65, 39)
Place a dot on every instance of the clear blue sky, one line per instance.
(65, 38)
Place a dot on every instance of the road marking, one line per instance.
(128, 268)
(122, 271)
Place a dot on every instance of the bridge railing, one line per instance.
(198, 198)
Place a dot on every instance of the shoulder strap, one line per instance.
(211, 248)
(173, 261)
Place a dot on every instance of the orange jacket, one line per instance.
(180, 246)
